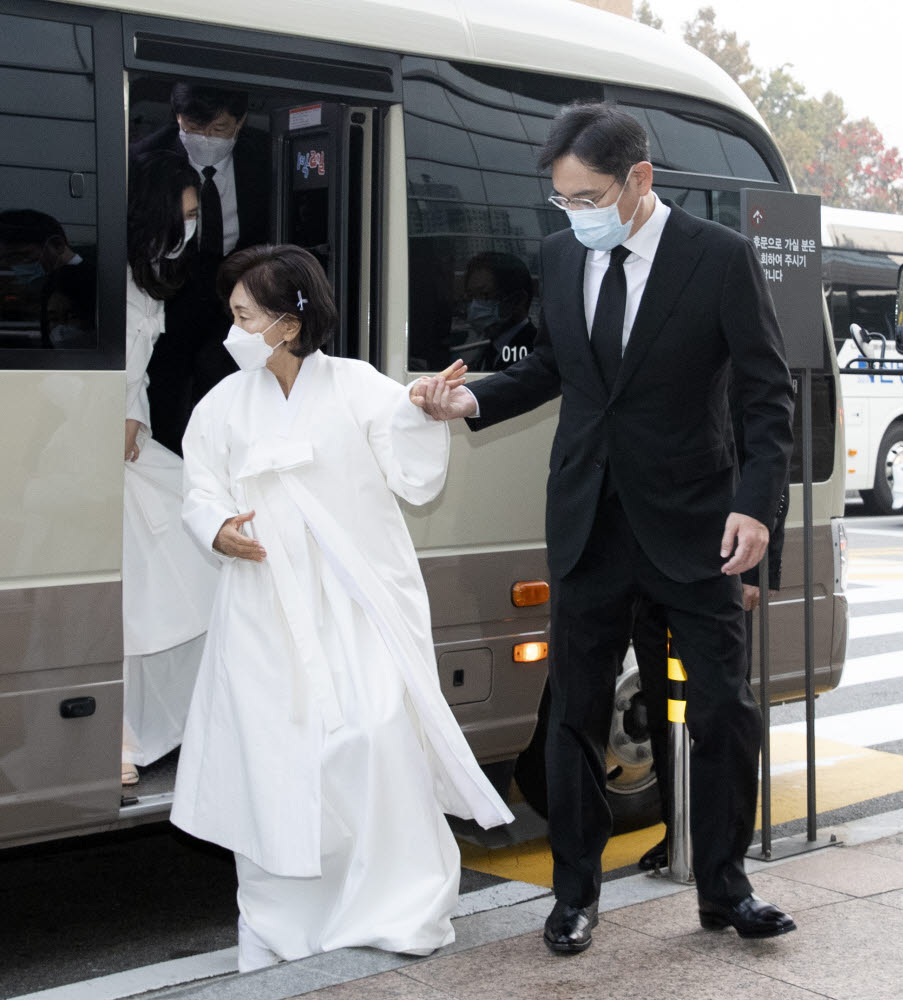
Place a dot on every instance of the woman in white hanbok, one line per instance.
(167, 584)
(319, 747)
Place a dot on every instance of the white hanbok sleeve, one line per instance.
(208, 500)
(143, 324)
(410, 447)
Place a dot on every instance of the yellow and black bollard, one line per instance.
(680, 853)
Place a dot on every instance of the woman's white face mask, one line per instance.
(191, 226)
(250, 350)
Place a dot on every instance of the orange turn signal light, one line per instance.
(529, 593)
(530, 652)
(852, 451)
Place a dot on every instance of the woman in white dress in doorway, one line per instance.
(319, 747)
(167, 584)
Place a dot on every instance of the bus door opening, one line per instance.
(323, 199)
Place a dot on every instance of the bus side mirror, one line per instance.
(869, 345)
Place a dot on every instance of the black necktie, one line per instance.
(211, 216)
(608, 321)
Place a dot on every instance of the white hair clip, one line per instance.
(301, 301)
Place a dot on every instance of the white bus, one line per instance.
(427, 116)
(862, 256)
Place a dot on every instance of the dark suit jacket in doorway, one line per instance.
(662, 431)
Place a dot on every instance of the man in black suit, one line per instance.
(233, 164)
(645, 312)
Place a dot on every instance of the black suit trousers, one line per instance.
(592, 617)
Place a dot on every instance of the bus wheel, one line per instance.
(890, 453)
(632, 783)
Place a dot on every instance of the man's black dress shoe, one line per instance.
(570, 928)
(655, 857)
(751, 917)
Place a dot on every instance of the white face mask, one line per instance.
(250, 351)
(190, 226)
(206, 150)
(601, 228)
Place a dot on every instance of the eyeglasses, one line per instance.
(578, 204)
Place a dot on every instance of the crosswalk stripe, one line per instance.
(869, 669)
(873, 625)
(867, 728)
(872, 595)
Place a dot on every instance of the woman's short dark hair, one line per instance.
(601, 135)
(203, 104)
(156, 223)
(276, 277)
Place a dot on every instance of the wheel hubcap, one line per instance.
(629, 753)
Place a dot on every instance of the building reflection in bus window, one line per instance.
(47, 287)
(494, 317)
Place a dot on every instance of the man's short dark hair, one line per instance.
(601, 135)
(27, 227)
(203, 104)
(276, 277)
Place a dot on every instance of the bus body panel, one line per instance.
(60, 599)
(60, 707)
(61, 488)
(571, 40)
(871, 404)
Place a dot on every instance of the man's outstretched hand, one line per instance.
(443, 396)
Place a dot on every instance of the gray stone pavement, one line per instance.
(847, 901)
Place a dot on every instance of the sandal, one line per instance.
(129, 774)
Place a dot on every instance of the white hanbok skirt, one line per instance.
(168, 585)
(390, 866)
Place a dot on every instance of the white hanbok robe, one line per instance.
(167, 584)
(319, 747)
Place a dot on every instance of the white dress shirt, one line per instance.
(224, 179)
(642, 246)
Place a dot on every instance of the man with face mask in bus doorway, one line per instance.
(646, 311)
(233, 165)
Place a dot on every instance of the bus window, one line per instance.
(48, 197)
(477, 210)
(691, 200)
(861, 287)
(681, 142)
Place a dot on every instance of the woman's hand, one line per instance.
(437, 395)
(231, 542)
(132, 451)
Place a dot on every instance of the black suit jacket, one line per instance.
(251, 160)
(662, 431)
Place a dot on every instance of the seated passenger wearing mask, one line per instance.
(232, 163)
(54, 285)
(499, 291)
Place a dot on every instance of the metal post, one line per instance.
(765, 705)
(790, 846)
(680, 852)
(808, 605)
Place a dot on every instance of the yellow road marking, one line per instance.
(844, 774)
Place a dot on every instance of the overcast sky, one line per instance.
(853, 47)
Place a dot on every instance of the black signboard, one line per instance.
(786, 230)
